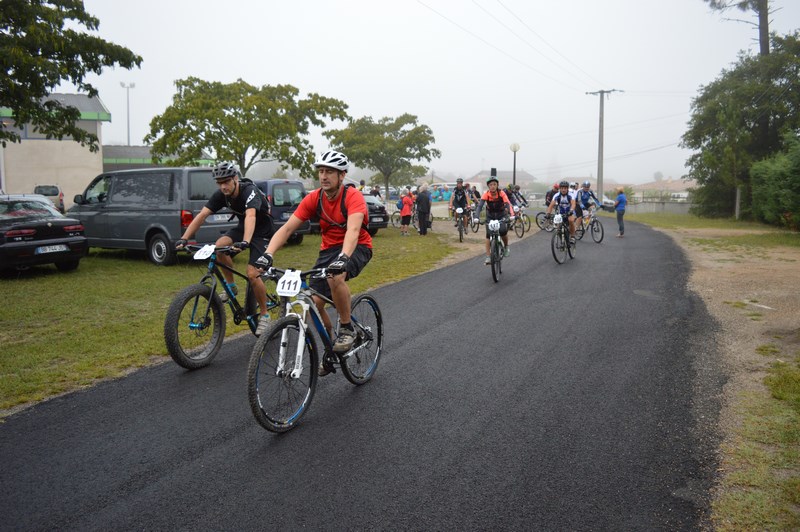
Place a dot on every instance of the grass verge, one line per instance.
(64, 331)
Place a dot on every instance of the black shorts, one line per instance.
(578, 211)
(257, 247)
(361, 256)
(405, 220)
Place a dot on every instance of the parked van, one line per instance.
(149, 209)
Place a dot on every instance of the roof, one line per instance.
(90, 108)
(505, 176)
(667, 185)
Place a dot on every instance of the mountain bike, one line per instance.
(592, 224)
(496, 249)
(194, 327)
(282, 371)
(518, 225)
(474, 223)
(544, 222)
(526, 220)
(460, 223)
(560, 243)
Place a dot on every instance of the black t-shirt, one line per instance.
(459, 197)
(249, 198)
(424, 201)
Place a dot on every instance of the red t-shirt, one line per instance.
(333, 235)
(408, 206)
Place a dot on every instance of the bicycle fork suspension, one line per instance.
(297, 368)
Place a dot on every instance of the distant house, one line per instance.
(38, 160)
(664, 190)
(505, 177)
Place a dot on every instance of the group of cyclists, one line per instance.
(346, 246)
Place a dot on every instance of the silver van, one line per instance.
(148, 209)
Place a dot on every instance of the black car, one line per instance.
(284, 196)
(378, 217)
(33, 232)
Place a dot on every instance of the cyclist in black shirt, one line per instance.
(254, 230)
(460, 198)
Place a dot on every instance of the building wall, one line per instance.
(49, 162)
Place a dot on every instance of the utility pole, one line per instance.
(600, 143)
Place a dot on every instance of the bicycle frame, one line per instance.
(304, 300)
(214, 278)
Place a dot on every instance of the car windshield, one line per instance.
(372, 199)
(26, 209)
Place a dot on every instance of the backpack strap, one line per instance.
(320, 213)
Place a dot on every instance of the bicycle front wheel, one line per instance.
(559, 246)
(597, 231)
(526, 221)
(280, 390)
(540, 220)
(360, 363)
(474, 225)
(460, 224)
(496, 257)
(195, 326)
(519, 227)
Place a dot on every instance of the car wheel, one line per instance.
(159, 250)
(296, 239)
(68, 266)
(372, 232)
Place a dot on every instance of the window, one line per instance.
(98, 190)
(285, 195)
(142, 188)
(201, 186)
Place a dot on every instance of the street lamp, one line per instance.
(515, 148)
(128, 88)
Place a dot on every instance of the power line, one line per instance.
(548, 44)
(484, 41)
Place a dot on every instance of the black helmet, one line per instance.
(224, 171)
(564, 184)
(459, 180)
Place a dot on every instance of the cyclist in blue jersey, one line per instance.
(565, 201)
(585, 195)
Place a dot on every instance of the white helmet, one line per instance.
(333, 159)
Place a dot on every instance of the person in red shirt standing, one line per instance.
(346, 244)
(406, 212)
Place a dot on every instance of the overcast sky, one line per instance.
(482, 74)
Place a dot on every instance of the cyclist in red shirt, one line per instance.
(346, 244)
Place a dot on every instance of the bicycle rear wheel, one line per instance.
(597, 231)
(194, 327)
(571, 247)
(360, 363)
(276, 305)
(559, 247)
(580, 229)
(395, 219)
(277, 399)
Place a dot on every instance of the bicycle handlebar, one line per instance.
(276, 273)
(227, 250)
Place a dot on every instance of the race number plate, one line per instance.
(204, 252)
(289, 284)
(557, 219)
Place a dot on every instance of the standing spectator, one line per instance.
(405, 212)
(424, 209)
(361, 185)
(376, 191)
(619, 206)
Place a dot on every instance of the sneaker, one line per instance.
(344, 341)
(572, 240)
(223, 296)
(506, 252)
(487, 261)
(263, 323)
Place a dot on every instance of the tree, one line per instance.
(725, 128)
(776, 186)
(759, 7)
(241, 123)
(37, 53)
(389, 146)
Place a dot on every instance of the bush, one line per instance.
(776, 186)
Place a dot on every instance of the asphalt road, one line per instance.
(576, 396)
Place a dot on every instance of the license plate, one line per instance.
(286, 215)
(51, 249)
(221, 217)
(376, 219)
